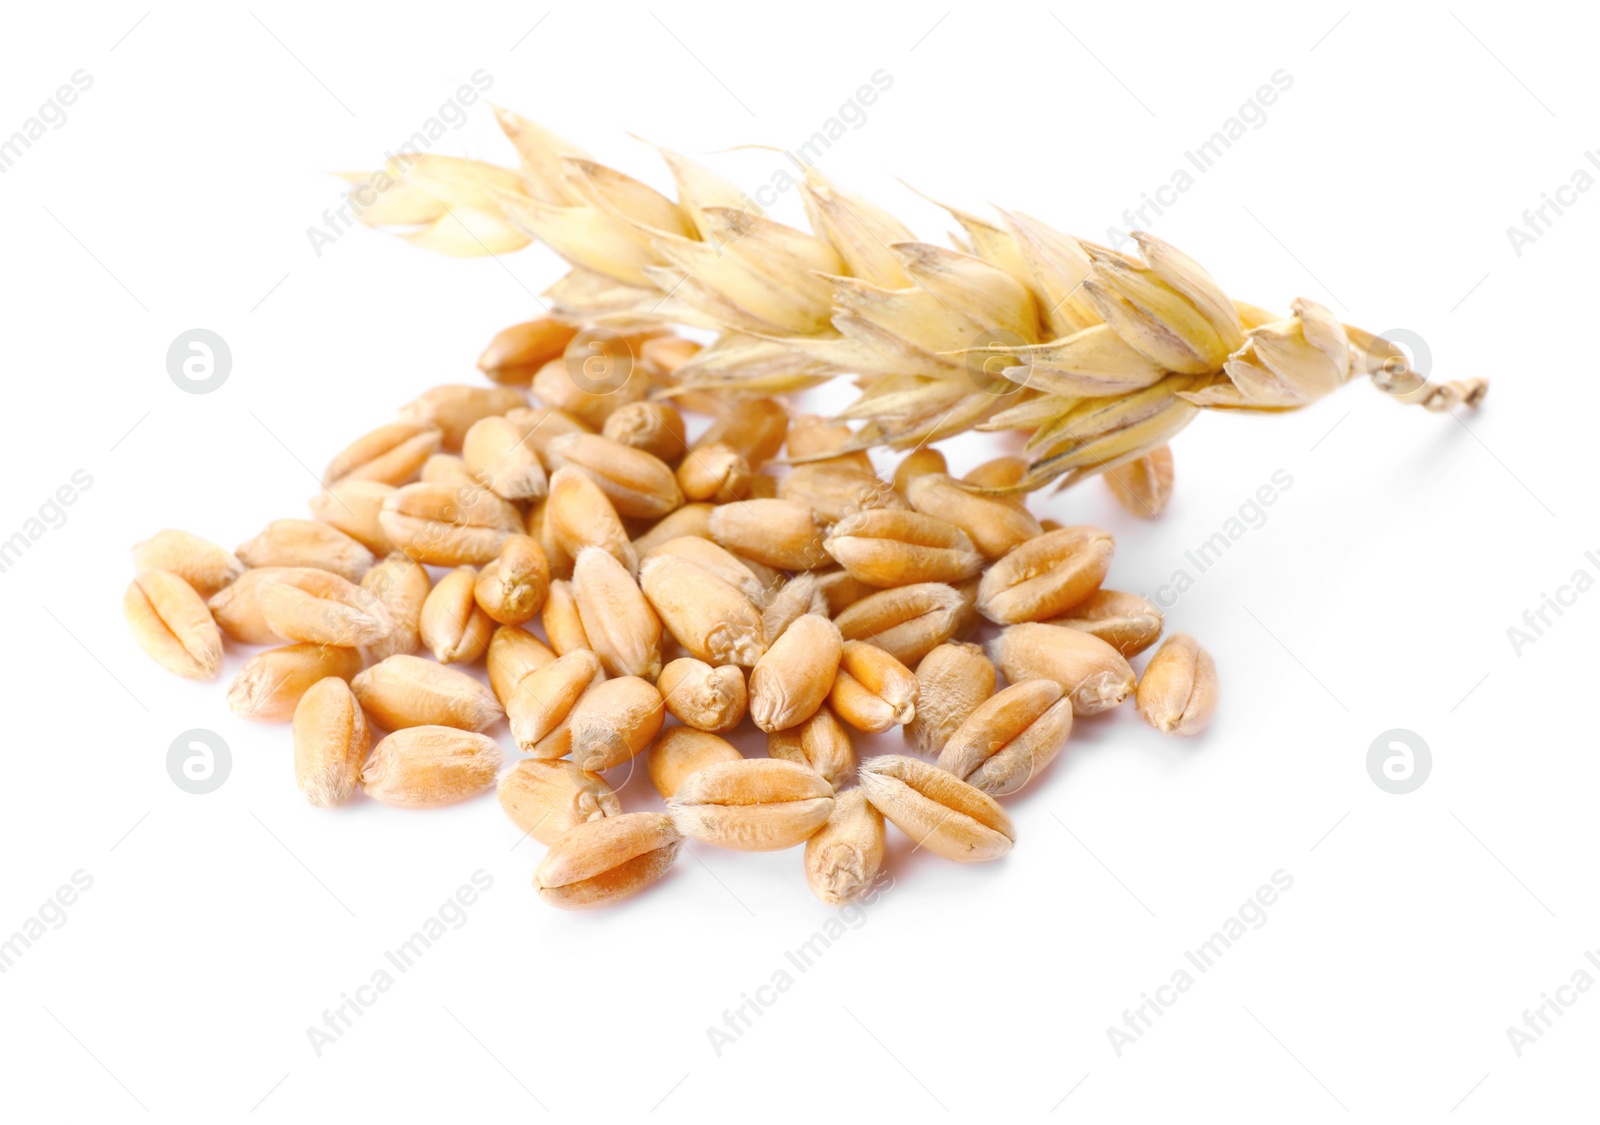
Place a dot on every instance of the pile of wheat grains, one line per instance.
(681, 587)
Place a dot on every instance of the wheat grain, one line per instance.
(1010, 737)
(703, 697)
(170, 621)
(682, 752)
(454, 408)
(307, 543)
(392, 454)
(603, 861)
(205, 566)
(331, 739)
(1128, 623)
(1178, 691)
(545, 798)
(271, 684)
(951, 681)
(423, 767)
(401, 586)
(844, 857)
(517, 352)
(454, 626)
(408, 691)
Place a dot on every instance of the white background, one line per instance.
(1377, 594)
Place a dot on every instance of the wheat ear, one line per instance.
(1099, 355)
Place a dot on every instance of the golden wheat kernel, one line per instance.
(447, 468)
(170, 621)
(936, 809)
(1178, 692)
(663, 355)
(512, 654)
(453, 408)
(539, 527)
(512, 588)
(780, 533)
(840, 589)
(545, 798)
(203, 565)
(680, 752)
(799, 595)
(951, 681)
(1144, 485)
(857, 706)
(793, 677)
(689, 520)
(638, 484)
(1046, 576)
(587, 394)
(540, 701)
(515, 353)
(1010, 737)
(715, 621)
(769, 577)
(1095, 676)
(409, 691)
(620, 345)
(306, 543)
(580, 516)
(353, 505)
(906, 621)
(724, 564)
(612, 722)
(544, 425)
(716, 473)
(1128, 623)
(811, 436)
(834, 489)
(872, 691)
(443, 525)
(321, 608)
(426, 767)
(820, 743)
(967, 616)
(391, 454)
(753, 805)
(655, 427)
(754, 428)
(845, 855)
(995, 526)
(882, 674)
(604, 861)
(331, 739)
(270, 685)
(402, 586)
(563, 625)
(620, 626)
(499, 457)
(886, 547)
(598, 372)
(998, 472)
(919, 462)
(703, 697)
(453, 625)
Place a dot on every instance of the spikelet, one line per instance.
(1100, 356)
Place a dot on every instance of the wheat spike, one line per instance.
(1101, 356)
